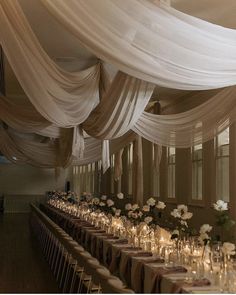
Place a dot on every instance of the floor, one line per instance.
(22, 265)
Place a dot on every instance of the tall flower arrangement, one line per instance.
(133, 213)
(204, 231)
(152, 211)
(181, 215)
(223, 219)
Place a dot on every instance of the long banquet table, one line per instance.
(138, 269)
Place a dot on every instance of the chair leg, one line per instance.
(60, 264)
(63, 270)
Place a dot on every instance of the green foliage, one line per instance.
(223, 220)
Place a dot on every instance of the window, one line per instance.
(197, 172)
(84, 178)
(90, 179)
(130, 168)
(171, 172)
(222, 165)
(156, 153)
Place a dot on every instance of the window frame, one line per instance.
(172, 199)
(218, 156)
(197, 202)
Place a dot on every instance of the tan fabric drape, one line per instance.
(24, 118)
(118, 169)
(23, 148)
(137, 180)
(120, 108)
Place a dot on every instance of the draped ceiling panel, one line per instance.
(152, 42)
(149, 44)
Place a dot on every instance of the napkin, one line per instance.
(158, 275)
(132, 248)
(178, 286)
(121, 241)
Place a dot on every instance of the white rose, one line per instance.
(160, 205)
(182, 207)
(148, 219)
(205, 228)
(117, 212)
(187, 215)
(135, 207)
(113, 209)
(175, 232)
(103, 197)
(203, 237)
(140, 214)
(95, 201)
(151, 202)
(175, 213)
(128, 206)
(220, 206)
(110, 203)
(228, 248)
(120, 196)
(146, 208)
(130, 213)
(102, 204)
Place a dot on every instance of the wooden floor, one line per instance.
(22, 265)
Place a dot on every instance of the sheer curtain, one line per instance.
(152, 42)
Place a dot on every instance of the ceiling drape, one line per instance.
(152, 42)
(149, 44)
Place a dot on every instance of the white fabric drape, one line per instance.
(192, 127)
(105, 155)
(152, 42)
(63, 98)
(149, 42)
(93, 148)
(157, 157)
(20, 150)
(118, 169)
(24, 118)
(120, 107)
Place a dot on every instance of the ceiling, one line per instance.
(67, 51)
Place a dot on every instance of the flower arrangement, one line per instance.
(228, 249)
(204, 237)
(133, 213)
(86, 197)
(120, 196)
(66, 196)
(181, 214)
(223, 219)
(152, 212)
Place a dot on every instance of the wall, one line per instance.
(23, 184)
